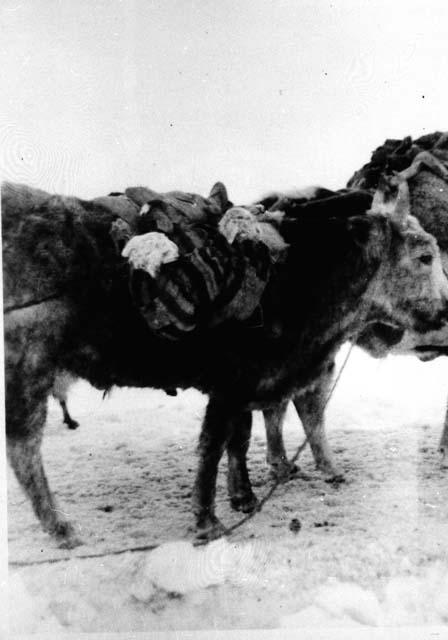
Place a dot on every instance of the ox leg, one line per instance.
(241, 495)
(24, 455)
(443, 447)
(29, 377)
(68, 420)
(60, 392)
(217, 429)
(281, 468)
(311, 409)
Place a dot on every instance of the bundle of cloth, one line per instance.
(192, 262)
(196, 262)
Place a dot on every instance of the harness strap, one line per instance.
(32, 303)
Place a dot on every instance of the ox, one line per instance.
(422, 164)
(339, 262)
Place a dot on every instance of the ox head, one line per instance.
(423, 163)
(414, 290)
(410, 290)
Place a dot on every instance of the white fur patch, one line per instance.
(239, 221)
(252, 223)
(149, 251)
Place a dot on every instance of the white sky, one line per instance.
(103, 94)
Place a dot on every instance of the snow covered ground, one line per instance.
(370, 553)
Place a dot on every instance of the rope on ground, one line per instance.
(32, 303)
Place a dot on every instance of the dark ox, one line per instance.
(422, 165)
(339, 262)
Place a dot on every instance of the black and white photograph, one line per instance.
(224, 371)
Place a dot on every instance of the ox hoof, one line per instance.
(72, 424)
(209, 528)
(246, 504)
(70, 543)
(444, 460)
(330, 471)
(335, 478)
(65, 536)
(283, 471)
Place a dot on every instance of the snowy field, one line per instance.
(370, 552)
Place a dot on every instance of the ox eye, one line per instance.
(426, 258)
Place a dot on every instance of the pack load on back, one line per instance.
(195, 262)
(424, 164)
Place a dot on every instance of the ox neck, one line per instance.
(326, 282)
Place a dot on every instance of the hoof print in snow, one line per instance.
(107, 508)
(338, 478)
(324, 524)
(295, 525)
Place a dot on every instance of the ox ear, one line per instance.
(384, 196)
(402, 204)
(392, 198)
(218, 195)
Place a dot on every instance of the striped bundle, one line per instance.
(211, 280)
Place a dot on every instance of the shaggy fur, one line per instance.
(74, 312)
